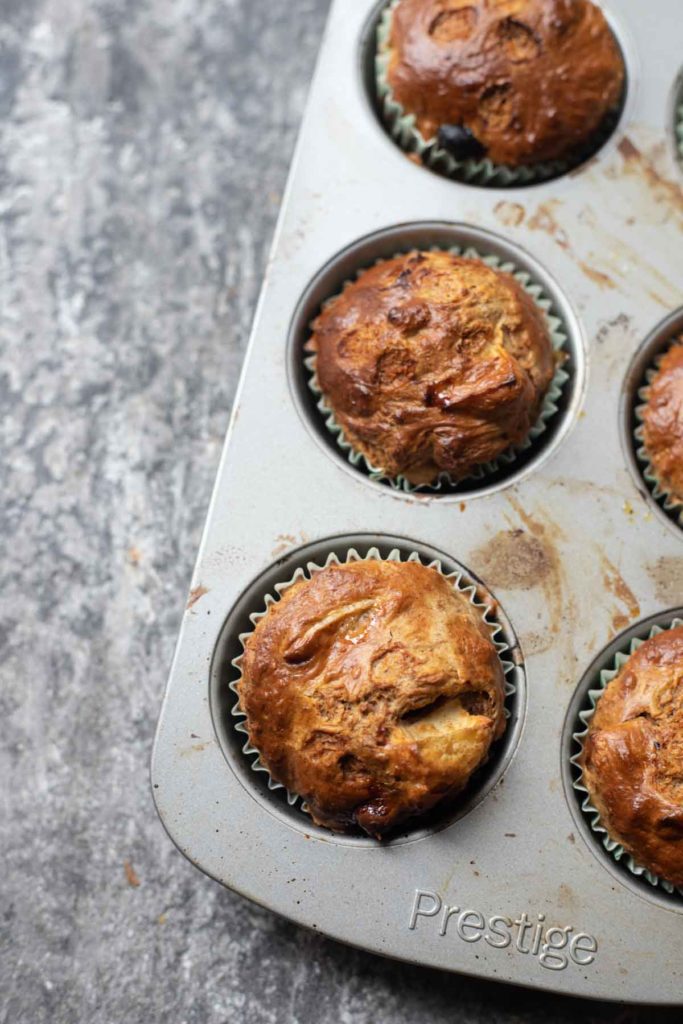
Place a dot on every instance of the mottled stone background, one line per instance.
(144, 147)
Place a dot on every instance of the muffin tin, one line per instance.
(568, 538)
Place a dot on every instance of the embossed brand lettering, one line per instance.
(554, 947)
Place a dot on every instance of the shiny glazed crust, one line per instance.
(373, 691)
(663, 422)
(531, 79)
(433, 362)
(633, 756)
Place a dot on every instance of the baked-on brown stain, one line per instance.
(597, 276)
(284, 542)
(545, 219)
(667, 576)
(195, 595)
(532, 80)
(528, 558)
(559, 601)
(195, 748)
(623, 261)
(616, 584)
(372, 690)
(509, 214)
(536, 643)
(433, 362)
(636, 161)
(617, 329)
(663, 421)
(513, 560)
(633, 756)
(566, 897)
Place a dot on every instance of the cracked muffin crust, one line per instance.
(373, 691)
(663, 422)
(526, 81)
(433, 363)
(633, 756)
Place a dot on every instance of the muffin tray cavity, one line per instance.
(568, 540)
(563, 395)
(471, 165)
(304, 562)
(643, 367)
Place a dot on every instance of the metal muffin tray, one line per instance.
(567, 538)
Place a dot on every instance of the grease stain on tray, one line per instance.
(535, 643)
(195, 748)
(667, 576)
(566, 897)
(510, 214)
(614, 264)
(644, 164)
(196, 594)
(630, 266)
(618, 587)
(514, 560)
(546, 219)
(283, 542)
(597, 276)
(524, 558)
(612, 337)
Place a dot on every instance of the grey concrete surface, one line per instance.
(143, 151)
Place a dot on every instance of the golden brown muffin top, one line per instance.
(433, 362)
(532, 80)
(373, 691)
(663, 421)
(633, 756)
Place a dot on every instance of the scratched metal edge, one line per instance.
(167, 764)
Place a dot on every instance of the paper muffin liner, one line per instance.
(459, 583)
(476, 171)
(662, 495)
(550, 406)
(592, 815)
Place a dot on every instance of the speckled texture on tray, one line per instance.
(143, 150)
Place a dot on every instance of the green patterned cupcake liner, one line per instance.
(558, 338)
(457, 579)
(475, 171)
(592, 815)
(672, 505)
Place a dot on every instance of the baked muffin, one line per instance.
(373, 691)
(663, 422)
(433, 363)
(520, 81)
(633, 756)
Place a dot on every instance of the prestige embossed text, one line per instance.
(554, 947)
